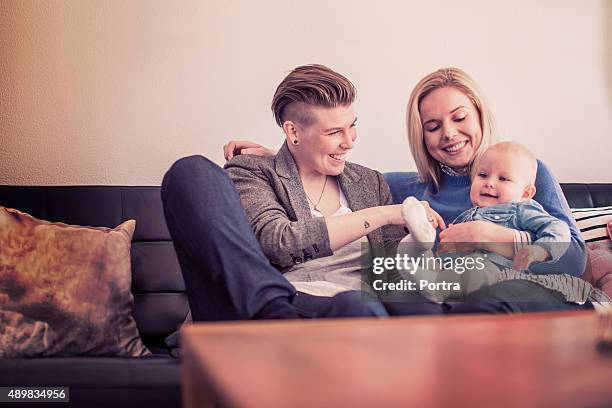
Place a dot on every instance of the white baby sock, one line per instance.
(415, 218)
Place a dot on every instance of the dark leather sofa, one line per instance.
(160, 301)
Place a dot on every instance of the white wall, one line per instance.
(112, 92)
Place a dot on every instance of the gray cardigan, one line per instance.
(276, 206)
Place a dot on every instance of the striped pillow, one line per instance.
(593, 222)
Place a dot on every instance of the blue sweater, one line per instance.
(454, 197)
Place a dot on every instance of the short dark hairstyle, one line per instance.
(310, 85)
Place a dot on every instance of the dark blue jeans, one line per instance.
(227, 276)
(514, 296)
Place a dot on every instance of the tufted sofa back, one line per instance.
(583, 195)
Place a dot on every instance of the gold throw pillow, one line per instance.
(65, 290)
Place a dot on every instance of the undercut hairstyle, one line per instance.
(427, 166)
(310, 85)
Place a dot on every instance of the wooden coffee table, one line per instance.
(540, 359)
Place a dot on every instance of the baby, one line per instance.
(502, 191)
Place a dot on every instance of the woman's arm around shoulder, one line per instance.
(237, 147)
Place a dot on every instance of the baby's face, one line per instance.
(500, 178)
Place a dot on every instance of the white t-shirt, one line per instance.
(332, 274)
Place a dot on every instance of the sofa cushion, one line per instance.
(593, 222)
(64, 289)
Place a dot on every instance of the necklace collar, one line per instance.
(449, 171)
(314, 206)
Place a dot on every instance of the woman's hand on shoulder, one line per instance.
(237, 147)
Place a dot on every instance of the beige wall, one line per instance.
(111, 92)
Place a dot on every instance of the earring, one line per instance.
(295, 142)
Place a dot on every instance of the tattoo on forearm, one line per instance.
(366, 224)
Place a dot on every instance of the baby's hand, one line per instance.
(527, 255)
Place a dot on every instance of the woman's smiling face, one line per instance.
(323, 144)
(451, 127)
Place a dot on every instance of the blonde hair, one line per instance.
(518, 151)
(315, 85)
(427, 166)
